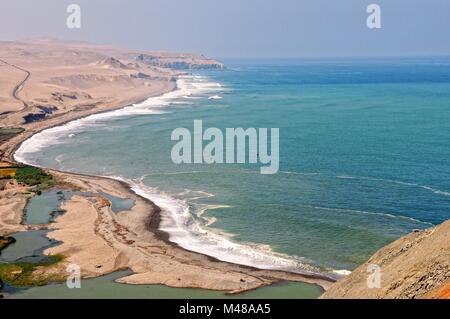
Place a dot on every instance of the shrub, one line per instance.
(33, 176)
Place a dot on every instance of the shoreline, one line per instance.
(152, 224)
(12, 150)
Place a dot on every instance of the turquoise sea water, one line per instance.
(363, 158)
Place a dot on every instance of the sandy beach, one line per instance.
(69, 81)
(131, 239)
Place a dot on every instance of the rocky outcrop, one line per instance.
(141, 75)
(47, 109)
(181, 62)
(112, 63)
(34, 117)
(414, 266)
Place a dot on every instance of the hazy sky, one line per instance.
(241, 28)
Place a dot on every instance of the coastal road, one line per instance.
(19, 86)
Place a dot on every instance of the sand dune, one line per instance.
(68, 76)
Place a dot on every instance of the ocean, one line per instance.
(363, 158)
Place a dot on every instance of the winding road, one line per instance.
(19, 85)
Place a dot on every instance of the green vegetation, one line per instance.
(22, 274)
(33, 176)
(11, 130)
(5, 242)
(7, 133)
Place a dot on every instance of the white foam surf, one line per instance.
(342, 272)
(192, 234)
(428, 188)
(186, 229)
(215, 97)
(187, 86)
(388, 215)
